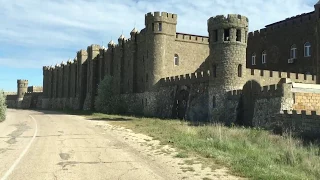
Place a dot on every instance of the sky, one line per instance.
(37, 33)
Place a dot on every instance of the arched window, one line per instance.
(264, 57)
(239, 70)
(176, 60)
(293, 52)
(307, 49)
(253, 59)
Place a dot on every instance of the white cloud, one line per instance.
(43, 29)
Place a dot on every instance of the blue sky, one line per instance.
(35, 33)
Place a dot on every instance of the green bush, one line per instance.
(107, 101)
(3, 106)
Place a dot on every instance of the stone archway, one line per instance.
(245, 109)
(180, 103)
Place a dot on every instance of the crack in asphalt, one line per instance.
(21, 128)
(67, 163)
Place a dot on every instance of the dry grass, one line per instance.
(251, 153)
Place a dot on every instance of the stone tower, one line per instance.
(228, 43)
(160, 29)
(22, 87)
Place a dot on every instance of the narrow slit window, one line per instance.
(214, 70)
(238, 35)
(227, 35)
(152, 26)
(176, 60)
(160, 26)
(264, 57)
(239, 70)
(215, 35)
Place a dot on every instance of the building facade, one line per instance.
(228, 76)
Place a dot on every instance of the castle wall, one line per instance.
(92, 74)
(11, 100)
(50, 82)
(142, 61)
(60, 82)
(267, 77)
(300, 123)
(277, 39)
(306, 101)
(129, 58)
(193, 52)
(81, 77)
(66, 82)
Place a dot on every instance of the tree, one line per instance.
(3, 106)
(105, 95)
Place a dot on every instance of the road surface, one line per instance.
(46, 145)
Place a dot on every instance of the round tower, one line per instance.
(228, 43)
(160, 30)
(22, 87)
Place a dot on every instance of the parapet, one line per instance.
(22, 81)
(35, 89)
(197, 77)
(192, 38)
(83, 52)
(160, 17)
(232, 20)
(270, 91)
(46, 68)
(94, 47)
(301, 112)
(288, 22)
(295, 77)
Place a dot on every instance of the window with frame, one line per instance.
(160, 26)
(307, 49)
(264, 57)
(253, 59)
(293, 52)
(176, 60)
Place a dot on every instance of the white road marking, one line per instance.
(22, 154)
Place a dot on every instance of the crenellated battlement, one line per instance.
(83, 52)
(192, 38)
(274, 90)
(22, 81)
(184, 79)
(296, 77)
(9, 93)
(94, 47)
(231, 20)
(287, 23)
(160, 17)
(300, 112)
(46, 68)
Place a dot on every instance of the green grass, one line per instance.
(251, 153)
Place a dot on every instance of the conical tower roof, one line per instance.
(111, 42)
(134, 30)
(122, 36)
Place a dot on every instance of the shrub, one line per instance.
(107, 101)
(3, 106)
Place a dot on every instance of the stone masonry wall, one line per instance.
(306, 101)
(301, 123)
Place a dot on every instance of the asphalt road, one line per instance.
(44, 145)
